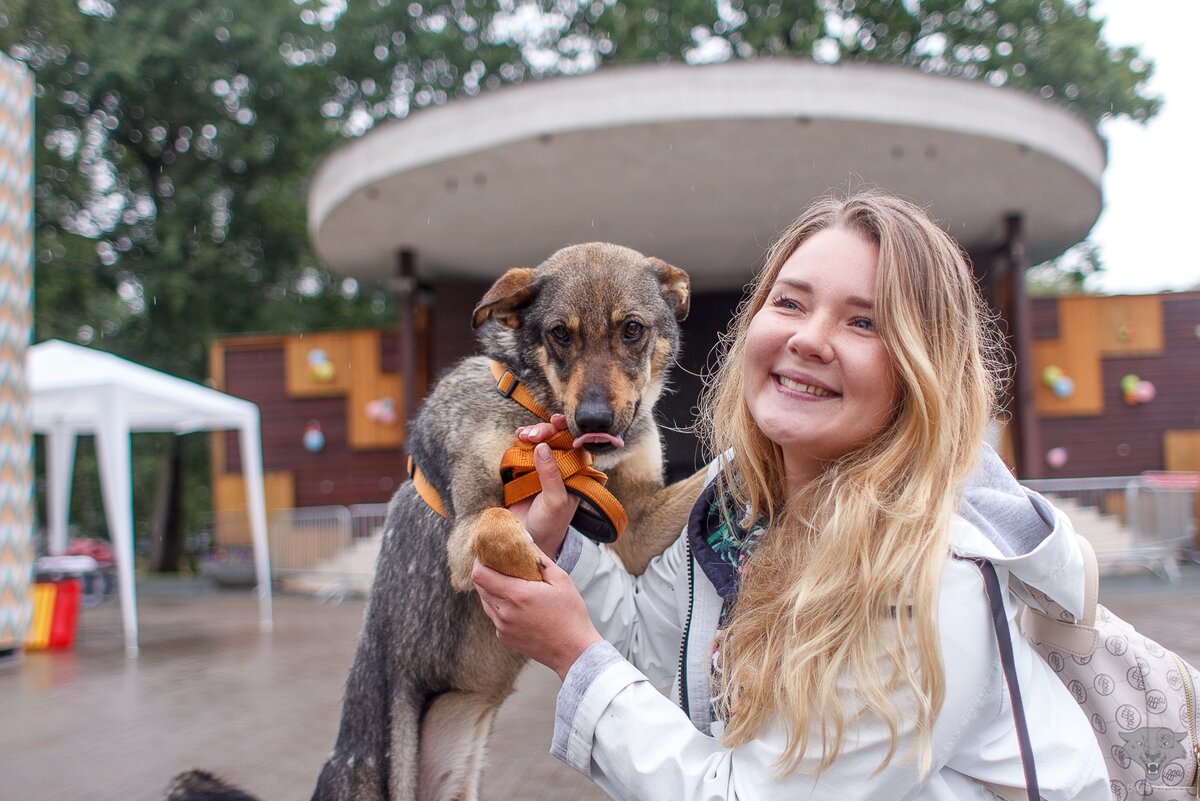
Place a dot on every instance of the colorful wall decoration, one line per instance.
(16, 274)
(1134, 369)
(332, 418)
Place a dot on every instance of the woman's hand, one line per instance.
(545, 620)
(548, 514)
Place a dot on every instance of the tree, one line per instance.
(174, 145)
(1066, 275)
(1052, 47)
(175, 139)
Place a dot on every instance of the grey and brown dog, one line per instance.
(590, 333)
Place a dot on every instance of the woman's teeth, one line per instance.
(820, 392)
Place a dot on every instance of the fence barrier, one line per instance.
(1147, 520)
(309, 549)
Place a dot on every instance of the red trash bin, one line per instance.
(55, 614)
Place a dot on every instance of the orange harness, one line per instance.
(518, 473)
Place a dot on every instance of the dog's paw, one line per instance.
(501, 542)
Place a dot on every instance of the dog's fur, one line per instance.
(591, 333)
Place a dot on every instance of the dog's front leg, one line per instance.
(497, 539)
(459, 553)
(656, 513)
(483, 529)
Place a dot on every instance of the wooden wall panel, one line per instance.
(1181, 450)
(1081, 364)
(368, 383)
(300, 381)
(1045, 318)
(1129, 325)
(337, 475)
(1126, 440)
(229, 497)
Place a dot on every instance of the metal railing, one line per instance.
(309, 549)
(329, 551)
(366, 519)
(1147, 520)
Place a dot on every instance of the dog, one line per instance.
(590, 333)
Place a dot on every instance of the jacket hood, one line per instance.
(1019, 531)
(1053, 565)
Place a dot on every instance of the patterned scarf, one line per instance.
(722, 549)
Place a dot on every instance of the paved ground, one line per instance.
(209, 691)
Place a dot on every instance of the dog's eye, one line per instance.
(633, 331)
(561, 333)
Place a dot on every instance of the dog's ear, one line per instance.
(675, 286)
(501, 302)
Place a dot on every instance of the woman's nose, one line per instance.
(812, 338)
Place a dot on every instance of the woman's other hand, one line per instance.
(546, 620)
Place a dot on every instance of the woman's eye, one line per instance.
(633, 330)
(784, 302)
(561, 333)
(864, 323)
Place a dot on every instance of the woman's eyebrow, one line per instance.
(803, 286)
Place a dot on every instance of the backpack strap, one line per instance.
(991, 584)
(1075, 637)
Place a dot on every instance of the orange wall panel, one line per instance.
(1129, 325)
(301, 382)
(231, 525)
(1081, 364)
(1181, 451)
(368, 383)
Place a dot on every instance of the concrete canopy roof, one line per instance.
(700, 166)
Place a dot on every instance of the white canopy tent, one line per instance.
(75, 390)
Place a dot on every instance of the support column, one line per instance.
(405, 288)
(1026, 437)
(16, 304)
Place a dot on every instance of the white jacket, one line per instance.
(615, 727)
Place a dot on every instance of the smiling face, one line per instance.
(817, 378)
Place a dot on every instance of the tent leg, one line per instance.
(60, 464)
(252, 471)
(112, 445)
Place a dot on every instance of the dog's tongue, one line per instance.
(608, 439)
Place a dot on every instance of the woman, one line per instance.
(823, 640)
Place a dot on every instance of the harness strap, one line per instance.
(521, 479)
(510, 386)
(425, 490)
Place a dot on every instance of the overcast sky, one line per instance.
(1151, 221)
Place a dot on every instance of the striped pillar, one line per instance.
(16, 274)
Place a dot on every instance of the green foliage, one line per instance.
(1066, 275)
(175, 139)
(175, 145)
(1051, 47)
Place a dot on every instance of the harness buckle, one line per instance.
(507, 384)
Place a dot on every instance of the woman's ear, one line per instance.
(675, 286)
(505, 298)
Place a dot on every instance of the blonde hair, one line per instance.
(844, 582)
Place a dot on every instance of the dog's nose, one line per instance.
(594, 417)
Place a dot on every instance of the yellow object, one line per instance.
(43, 616)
